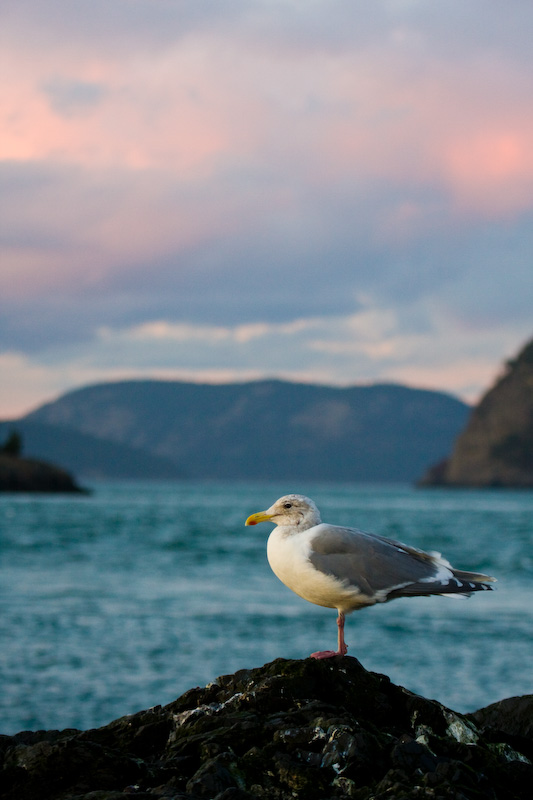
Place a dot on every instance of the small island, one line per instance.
(18, 474)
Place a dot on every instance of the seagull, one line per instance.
(348, 569)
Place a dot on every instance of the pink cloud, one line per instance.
(492, 170)
(387, 115)
(299, 165)
(457, 125)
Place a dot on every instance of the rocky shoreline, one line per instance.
(291, 729)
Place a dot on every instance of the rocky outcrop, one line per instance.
(29, 475)
(496, 447)
(291, 729)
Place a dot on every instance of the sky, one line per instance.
(329, 191)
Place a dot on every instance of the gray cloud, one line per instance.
(447, 30)
(316, 258)
(72, 97)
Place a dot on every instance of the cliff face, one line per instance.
(291, 729)
(496, 447)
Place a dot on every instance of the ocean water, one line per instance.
(124, 599)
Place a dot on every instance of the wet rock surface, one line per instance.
(291, 729)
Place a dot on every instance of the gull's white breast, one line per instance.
(288, 555)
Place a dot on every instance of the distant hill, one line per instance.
(87, 455)
(496, 446)
(260, 430)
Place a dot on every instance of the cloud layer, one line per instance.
(334, 191)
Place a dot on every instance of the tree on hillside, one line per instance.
(12, 445)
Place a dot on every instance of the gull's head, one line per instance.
(292, 510)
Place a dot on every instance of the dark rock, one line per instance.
(29, 475)
(309, 729)
(508, 726)
(513, 715)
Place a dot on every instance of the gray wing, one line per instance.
(383, 568)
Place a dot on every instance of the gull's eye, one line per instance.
(287, 505)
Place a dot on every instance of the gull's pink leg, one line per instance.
(342, 647)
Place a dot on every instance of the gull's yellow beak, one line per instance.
(261, 516)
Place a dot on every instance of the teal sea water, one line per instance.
(126, 598)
